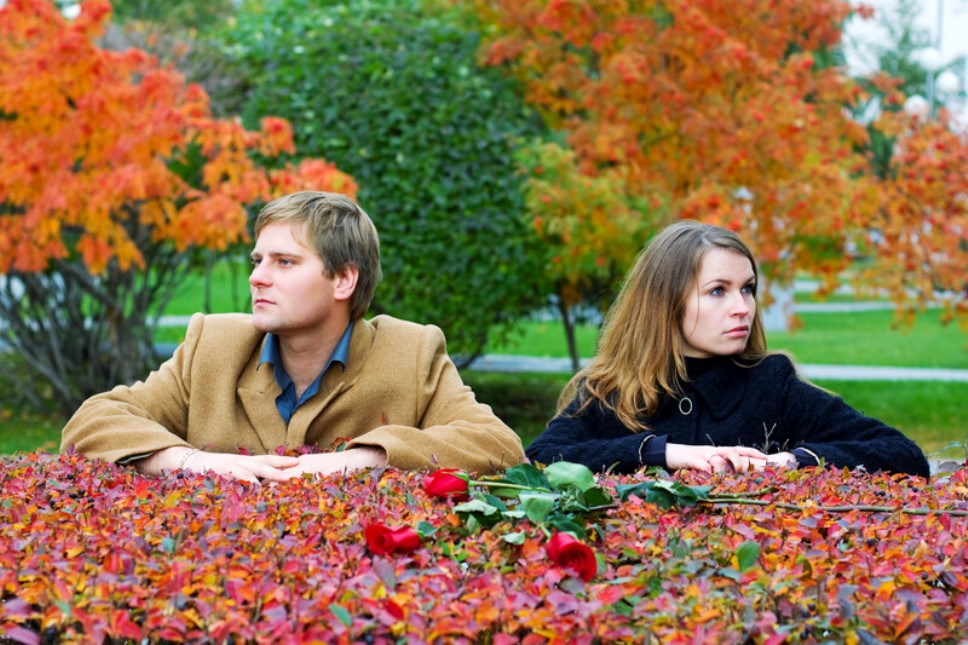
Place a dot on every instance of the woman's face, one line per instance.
(720, 306)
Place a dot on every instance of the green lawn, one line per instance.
(931, 413)
(856, 338)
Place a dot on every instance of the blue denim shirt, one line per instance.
(287, 402)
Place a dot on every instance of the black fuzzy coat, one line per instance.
(768, 407)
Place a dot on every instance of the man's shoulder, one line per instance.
(389, 326)
(223, 332)
(228, 324)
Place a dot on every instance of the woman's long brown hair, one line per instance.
(640, 357)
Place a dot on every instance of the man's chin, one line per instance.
(260, 324)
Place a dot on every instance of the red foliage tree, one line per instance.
(112, 174)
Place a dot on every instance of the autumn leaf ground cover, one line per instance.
(90, 552)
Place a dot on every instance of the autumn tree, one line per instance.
(592, 226)
(113, 173)
(916, 200)
(917, 206)
(731, 112)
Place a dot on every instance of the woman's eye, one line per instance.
(750, 289)
(716, 291)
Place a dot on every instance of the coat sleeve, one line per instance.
(842, 436)
(133, 421)
(453, 429)
(596, 439)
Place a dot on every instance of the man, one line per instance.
(304, 369)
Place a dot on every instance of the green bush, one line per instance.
(392, 94)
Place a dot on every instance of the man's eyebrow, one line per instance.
(276, 254)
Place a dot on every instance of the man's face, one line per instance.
(290, 290)
(720, 307)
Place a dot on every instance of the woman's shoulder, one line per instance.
(775, 365)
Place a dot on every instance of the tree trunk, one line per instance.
(569, 324)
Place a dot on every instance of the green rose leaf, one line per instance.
(527, 475)
(514, 538)
(475, 505)
(564, 474)
(537, 506)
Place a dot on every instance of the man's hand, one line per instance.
(714, 458)
(348, 460)
(251, 468)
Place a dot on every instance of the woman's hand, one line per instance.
(714, 459)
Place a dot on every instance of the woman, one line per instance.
(683, 378)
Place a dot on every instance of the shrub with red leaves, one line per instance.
(93, 552)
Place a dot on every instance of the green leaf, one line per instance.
(597, 496)
(425, 530)
(747, 554)
(342, 614)
(566, 524)
(168, 545)
(537, 506)
(517, 537)
(664, 493)
(564, 474)
(475, 505)
(527, 475)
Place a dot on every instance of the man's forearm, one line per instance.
(171, 458)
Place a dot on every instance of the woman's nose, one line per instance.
(740, 305)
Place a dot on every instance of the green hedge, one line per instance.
(392, 94)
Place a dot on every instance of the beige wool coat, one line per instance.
(399, 391)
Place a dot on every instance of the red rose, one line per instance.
(447, 482)
(384, 540)
(568, 553)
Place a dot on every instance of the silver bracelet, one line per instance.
(643, 445)
(181, 463)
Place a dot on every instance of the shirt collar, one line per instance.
(271, 353)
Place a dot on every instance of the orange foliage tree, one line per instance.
(732, 112)
(113, 174)
(917, 214)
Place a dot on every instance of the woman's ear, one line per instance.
(346, 283)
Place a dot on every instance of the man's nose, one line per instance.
(258, 276)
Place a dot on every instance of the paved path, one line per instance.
(507, 363)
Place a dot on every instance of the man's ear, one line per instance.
(346, 283)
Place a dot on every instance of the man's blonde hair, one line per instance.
(340, 232)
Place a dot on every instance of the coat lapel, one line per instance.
(258, 391)
(335, 381)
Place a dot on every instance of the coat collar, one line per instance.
(719, 385)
